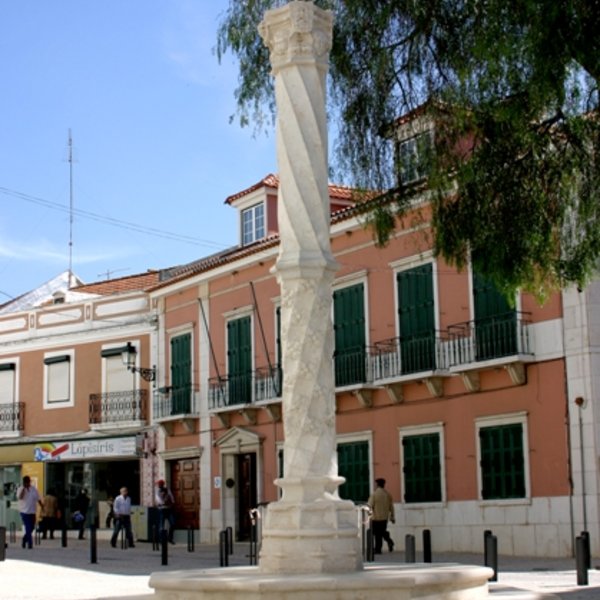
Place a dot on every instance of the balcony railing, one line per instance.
(490, 338)
(395, 357)
(172, 401)
(119, 407)
(353, 366)
(12, 417)
(247, 388)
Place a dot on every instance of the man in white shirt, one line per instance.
(29, 498)
(122, 510)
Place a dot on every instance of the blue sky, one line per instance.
(148, 106)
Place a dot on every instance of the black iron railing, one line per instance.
(12, 417)
(245, 388)
(172, 401)
(404, 355)
(119, 407)
(490, 338)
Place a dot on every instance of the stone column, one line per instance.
(310, 529)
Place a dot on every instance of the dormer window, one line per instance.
(414, 157)
(253, 224)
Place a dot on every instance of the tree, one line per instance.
(516, 80)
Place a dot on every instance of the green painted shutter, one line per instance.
(502, 462)
(239, 361)
(495, 321)
(422, 468)
(416, 318)
(181, 373)
(349, 332)
(353, 464)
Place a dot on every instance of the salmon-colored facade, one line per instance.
(479, 413)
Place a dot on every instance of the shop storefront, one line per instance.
(99, 466)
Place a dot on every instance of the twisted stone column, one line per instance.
(310, 529)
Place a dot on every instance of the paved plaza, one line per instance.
(52, 572)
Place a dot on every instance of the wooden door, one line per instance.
(185, 478)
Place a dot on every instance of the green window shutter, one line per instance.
(422, 468)
(239, 360)
(350, 337)
(502, 462)
(416, 318)
(495, 321)
(353, 464)
(181, 374)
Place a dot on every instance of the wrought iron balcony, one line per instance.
(12, 417)
(400, 356)
(174, 401)
(248, 388)
(353, 366)
(497, 337)
(119, 407)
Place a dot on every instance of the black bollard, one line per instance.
(223, 551)
(190, 539)
(588, 551)
(580, 561)
(370, 557)
(93, 545)
(2, 543)
(13, 532)
(426, 545)
(485, 535)
(63, 536)
(229, 531)
(409, 548)
(164, 547)
(491, 555)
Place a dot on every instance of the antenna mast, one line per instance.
(70, 208)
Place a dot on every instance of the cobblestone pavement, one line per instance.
(51, 572)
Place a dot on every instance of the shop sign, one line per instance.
(83, 450)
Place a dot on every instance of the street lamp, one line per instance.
(128, 357)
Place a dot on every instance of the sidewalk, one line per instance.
(51, 572)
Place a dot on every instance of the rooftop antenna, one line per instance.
(70, 159)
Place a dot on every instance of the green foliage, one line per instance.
(512, 88)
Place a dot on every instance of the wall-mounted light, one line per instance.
(128, 356)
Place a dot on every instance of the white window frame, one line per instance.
(256, 232)
(496, 421)
(15, 379)
(408, 149)
(70, 401)
(415, 430)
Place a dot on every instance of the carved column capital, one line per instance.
(297, 33)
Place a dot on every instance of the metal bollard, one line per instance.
(93, 545)
(164, 547)
(2, 543)
(190, 539)
(223, 550)
(580, 561)
(63, 536)
(370, 550)
(12, 532)
(491, 555)
(485, 535)
(254, 516)
(426, 545)
(588, 552)
(229, 531)
(409, 548)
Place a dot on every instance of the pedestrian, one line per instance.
(110, 515)
(50, 514)
(28, 498)
(82, 503)
(382, 505)
(165, 502)
(122, 510)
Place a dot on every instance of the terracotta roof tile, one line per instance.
(132, 283)
(338, 192)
